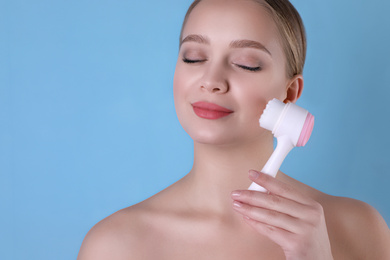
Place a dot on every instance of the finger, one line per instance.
(271, 202)
(279, 188)
(269, 217)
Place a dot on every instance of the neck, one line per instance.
(218, 170)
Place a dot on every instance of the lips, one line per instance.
(210, 110)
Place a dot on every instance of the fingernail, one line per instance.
(236, 193)
(237, 204)
(253, 174)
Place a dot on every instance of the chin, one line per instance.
(209, 134)
(219, 136)
(211, 139)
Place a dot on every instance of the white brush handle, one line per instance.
(283, 147)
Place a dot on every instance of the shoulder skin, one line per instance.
(116, 237)
(356, 229)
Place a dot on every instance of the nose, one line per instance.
(215, 81)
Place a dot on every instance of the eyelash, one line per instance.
(191, 61)
(254, 69)
(249, 68)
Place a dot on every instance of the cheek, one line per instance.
(261, 89)
(177, 85)
(254, 104)
(184, 88)
(253, 98)
(181, 89)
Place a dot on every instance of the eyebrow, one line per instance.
(249, 44)
(234, 44)
(195, 38)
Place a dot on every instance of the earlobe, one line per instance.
(294, 89)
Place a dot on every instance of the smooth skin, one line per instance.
(210, 214)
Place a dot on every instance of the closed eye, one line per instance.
(191, 61)
(249, 68)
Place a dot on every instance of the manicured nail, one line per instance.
(236, 193)
(237, 204)
(253, 174)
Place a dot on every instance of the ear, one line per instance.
(294, 89)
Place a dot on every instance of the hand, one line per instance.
(287, 217)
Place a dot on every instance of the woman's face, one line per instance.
(230, 56)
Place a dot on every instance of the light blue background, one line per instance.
(88, 125)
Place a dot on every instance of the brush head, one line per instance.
(288, 120)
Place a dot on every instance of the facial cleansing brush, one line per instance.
(291, 125)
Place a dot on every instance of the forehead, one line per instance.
(231, 20)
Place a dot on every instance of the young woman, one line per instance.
(235, 56)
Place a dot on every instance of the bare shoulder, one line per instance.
(355, 228)
(134, 232)
(118, 236)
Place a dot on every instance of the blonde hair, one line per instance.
(290, 27)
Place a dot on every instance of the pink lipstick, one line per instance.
(209, 110)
